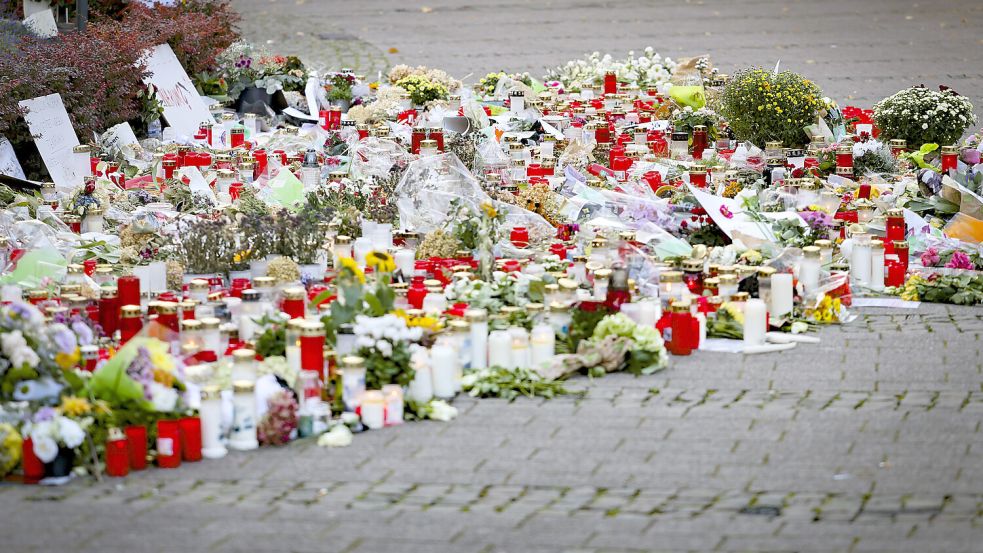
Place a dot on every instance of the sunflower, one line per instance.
(72, 406)
(349, 264)
(381, 262)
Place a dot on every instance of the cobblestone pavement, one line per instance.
(857, 51)
(867, 442)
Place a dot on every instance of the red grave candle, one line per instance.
(168, 444)
(312, 347)
(136, 442)
(190, 428)
(117, 454)
(33, 467)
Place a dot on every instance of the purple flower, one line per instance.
(45, 414)
(817, 220)
(142, 370)
(83, 332)
(930, 257)
(960, 260)
(64, 339)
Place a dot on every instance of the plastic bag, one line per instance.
(429, 185)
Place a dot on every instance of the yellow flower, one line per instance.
(348, 264)
(489, 210)
(734, 312)
(72, 406)
(381, 262)
(164, 377)
(67, 360)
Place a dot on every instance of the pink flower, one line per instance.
(930, 257)
(960, 260)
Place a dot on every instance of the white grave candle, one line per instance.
(809, 269)
(210, 413)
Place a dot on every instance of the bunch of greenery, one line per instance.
(512, 383)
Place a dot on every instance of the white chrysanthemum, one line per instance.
(70, 431)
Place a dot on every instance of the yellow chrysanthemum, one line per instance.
(72, 406)
(381, 262)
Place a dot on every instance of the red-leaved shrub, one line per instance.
(99, 73)
(197, 30)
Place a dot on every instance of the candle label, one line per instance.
(165, 446)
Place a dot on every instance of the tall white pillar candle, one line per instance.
(755, 314)
(860, 260)
(781, 294)
(479, 337)
(543, 342)
(877, 265)
(500, 349)
(443, 360)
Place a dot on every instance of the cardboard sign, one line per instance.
(32, 7)
(118, 136)
(55, 138)
(183, 107)
(8, 160)
(42, 24)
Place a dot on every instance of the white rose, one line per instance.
(440, 410)
(45, 448)
(339, 436)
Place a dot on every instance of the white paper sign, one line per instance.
(118, 136)
(42, 23)
(8, 160)
(49, 122)
(183, 107)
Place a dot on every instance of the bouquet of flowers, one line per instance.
(872, 156)
(422, 90)
(649, 69)
(51, 432)
(143, 374)
(243, 65)
(686, 118)
(386, 343)
(923, 116)
(761, 105)
(646, 350)
(33, 355)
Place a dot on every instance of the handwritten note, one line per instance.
(118, 136)
(183, 108)
(55, 137)
(8, 160)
